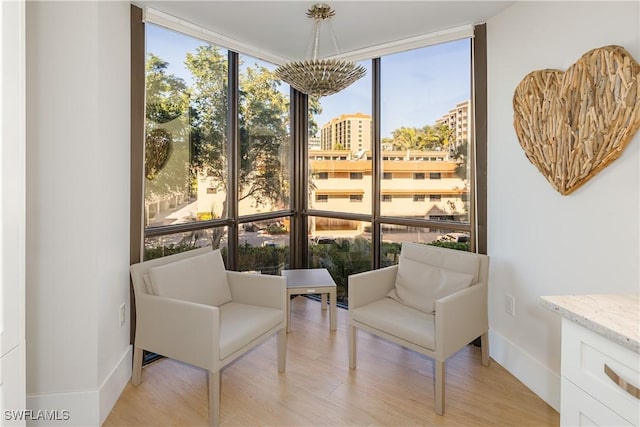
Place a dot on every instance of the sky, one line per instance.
(417, 87)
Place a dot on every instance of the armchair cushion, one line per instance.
(419, 285)
(464, 262)
(201, 279)
(399, 321)
(241, 324)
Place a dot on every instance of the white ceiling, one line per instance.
(281, 29)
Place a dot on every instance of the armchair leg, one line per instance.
(136, 377)
(214, 398)
(351, 331)
(484, 345)
(439, 386)
(282, 349)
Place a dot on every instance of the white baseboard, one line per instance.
(115, 382)
(63, 409)
(83, 408)
(537, 377)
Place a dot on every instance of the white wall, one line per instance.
(542, 243)
(12, 210)
(78, 356)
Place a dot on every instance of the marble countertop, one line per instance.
(616, 317)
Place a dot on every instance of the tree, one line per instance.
(166, 130)
(263, 119)
(428, 137)
(264, 147)
(459, 153)
(406, 138)
(263, 129)
(314, 108)
(436, 137)
(209, 108)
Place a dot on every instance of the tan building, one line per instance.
(347, 132)
(419, 184)
(458, 120)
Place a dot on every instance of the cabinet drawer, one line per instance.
(580, 409)
(585, 354)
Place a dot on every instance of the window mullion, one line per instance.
(233, 156)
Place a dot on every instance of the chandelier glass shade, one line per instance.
(320, 77)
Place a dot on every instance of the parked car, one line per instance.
(323, 240)
(453, 237)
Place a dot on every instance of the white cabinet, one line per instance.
(598, 380)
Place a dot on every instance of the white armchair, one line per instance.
(433, 302)
(189, 308)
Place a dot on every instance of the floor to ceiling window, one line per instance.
(340, 182)
(189, 158)
(388, 158)
(421, 189)
(426, 128)
(186, 142)
(264, 166)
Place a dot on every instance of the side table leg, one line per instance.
(323, 301)
(288, 311)
(333, 310)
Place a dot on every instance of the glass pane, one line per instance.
(339, 152)
(264, 246)
(157, 247)
(343, 247)
(425, 135)
(185, 129)
(264, 139)
(392, 237)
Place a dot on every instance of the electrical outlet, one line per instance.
(510, 305)
(123, 313)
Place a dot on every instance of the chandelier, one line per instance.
(320, 77)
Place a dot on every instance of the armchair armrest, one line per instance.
(258, 289)
(369, 286)
(460, 318)
(178, 329)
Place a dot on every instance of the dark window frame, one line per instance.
(299, 211)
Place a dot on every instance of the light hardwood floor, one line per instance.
(391, 386)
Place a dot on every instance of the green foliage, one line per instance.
(458, 246)
(427, 138)
(341, 259)
(460, 153)
(162, 251)
(390, 253)
(276, 229)
(166, 129)
(264, 121)
(266, 259)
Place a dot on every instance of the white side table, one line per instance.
(307, 281)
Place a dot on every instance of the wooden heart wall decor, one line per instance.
(572, 124)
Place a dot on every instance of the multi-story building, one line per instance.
(314, 143)
(347, 132)
(414, 183)
(419, 184)
(458, 120)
